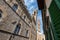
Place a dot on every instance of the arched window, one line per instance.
(1, 13)
(15, 7)
(26, 33)
(24, 16)
(17, 29)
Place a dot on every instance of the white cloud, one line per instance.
(27, 2)
(32, 7)
(31, 1)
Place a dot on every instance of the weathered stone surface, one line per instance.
(11, 18)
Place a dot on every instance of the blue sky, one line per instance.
(31, 6)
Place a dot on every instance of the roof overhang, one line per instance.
(40, 4)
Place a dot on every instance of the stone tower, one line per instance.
(35, 14)
(38, 26)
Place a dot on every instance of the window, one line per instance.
(1, 13)
(29, 22)
(26, 33)
(24, 17)
(17, 29)
(15, 7)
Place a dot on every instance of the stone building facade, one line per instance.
(38, 24)
(40, 36)
(16, 22)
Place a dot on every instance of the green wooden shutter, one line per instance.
(55, 17)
